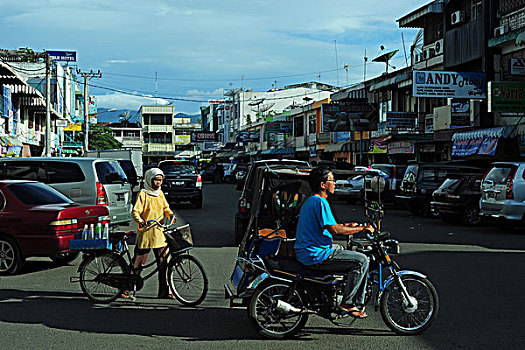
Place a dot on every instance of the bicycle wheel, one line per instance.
(187, 280)
(90, 283)
(409, 318)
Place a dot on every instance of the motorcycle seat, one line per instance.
(290, 265)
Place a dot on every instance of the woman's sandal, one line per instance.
(167, 296)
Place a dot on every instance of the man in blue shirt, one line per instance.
(314, 242)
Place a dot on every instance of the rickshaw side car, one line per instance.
(274, 211)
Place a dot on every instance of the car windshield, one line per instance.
(411, 173)
(35, 193)
(385, 169)
(178, 168)
(499, 175)
(450, 185)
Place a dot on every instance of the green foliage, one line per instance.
(100, 137)
(248, 119)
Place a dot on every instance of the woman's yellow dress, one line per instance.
(148, 207)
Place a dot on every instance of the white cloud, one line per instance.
(124, 101)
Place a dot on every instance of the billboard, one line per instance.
(68, 56)
(506, 96)
(349, 116)
(401, 120)
(247, 136)
(202, 136)
(459, 113)
(278, 127)
(470, 85)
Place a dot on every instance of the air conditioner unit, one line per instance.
(426, 54)
(499, 31)
(438, 47)
(457, 17)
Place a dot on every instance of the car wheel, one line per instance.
(471, 216)
(227, 179)
(64, 258)
(11, 259)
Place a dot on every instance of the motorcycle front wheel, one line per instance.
(270, 321)
(409, 317)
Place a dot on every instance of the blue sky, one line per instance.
(201, 48)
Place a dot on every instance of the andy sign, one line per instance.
(471, 85)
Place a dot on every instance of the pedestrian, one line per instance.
(314, 246)
(151, 205)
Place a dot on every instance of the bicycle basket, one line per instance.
(179, 237)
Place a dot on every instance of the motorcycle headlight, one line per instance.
(391, 246)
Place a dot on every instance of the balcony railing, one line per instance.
(158, 128)
(158, 147)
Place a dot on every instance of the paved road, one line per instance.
(478, 273)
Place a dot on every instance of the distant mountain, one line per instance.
(195, 118)
(104, 116)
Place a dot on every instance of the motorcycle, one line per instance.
(280, 293)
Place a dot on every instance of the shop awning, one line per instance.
(391, 81)
(492, 133)
(334, 147)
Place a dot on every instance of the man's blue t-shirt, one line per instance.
(313, 242)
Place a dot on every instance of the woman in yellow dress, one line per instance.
(152, 205)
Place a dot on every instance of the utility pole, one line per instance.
(336, 63)
(86, 76)
(48, 105)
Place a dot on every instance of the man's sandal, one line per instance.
(352, 311)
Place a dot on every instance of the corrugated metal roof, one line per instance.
(413, 19)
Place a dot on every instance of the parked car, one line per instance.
(37, 220)
(458, 198)
(390, 185)
(182, 182)
(421, 180)
(242, 217)
(239, 173)
(208, 171)
(351, 188)
(90, 181)
(503, 194)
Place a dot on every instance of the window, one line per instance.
(475, 10)
(109, 172)
(34, 193)
(298, 127)
(23, 171)
(61, 172)
(312, 123)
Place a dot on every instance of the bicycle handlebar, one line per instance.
(152, 222)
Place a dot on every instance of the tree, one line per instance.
(101, 137)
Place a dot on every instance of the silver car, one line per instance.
(92, 181)
(503, 193)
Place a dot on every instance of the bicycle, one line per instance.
(104, 275)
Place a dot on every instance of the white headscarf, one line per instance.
(148, 179)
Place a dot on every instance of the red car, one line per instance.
(37, 220)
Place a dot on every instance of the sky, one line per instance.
(199, 49)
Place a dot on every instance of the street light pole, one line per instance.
(86, 76)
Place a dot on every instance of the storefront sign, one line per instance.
(73, 127)
(401, 147)
(201, 136)
(313, 151)
(506, 96)
(6, 101)
(401, 120)
(182, 139)
(449, 84)
(247, 136)
(460, 113)
(278, 127)
(341, 136)
(517, 66)
(62, 123)
(349, 116)
(68, 56)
